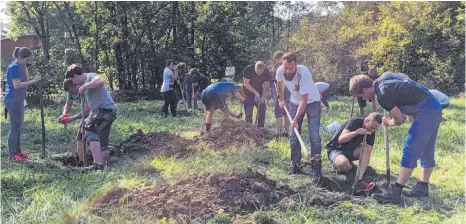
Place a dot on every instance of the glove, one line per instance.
(64, 117)
(239, 116)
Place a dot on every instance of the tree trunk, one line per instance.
(96, 21)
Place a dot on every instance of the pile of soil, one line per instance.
(202, 196)
(157, 143)
(69, 160)
(232, 132)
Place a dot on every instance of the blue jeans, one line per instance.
(249, 105)
(16, 112)
(313, 112)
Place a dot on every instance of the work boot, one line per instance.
(362, 187)
(421, 189)
(316, 168)
(391, 195)
(295, 169)
(94, 167)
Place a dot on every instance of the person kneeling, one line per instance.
(214, 97)
(346, 146)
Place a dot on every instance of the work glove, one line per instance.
(64, 119)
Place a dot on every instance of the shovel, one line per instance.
(83, 131)
(387, 151)
(358, 170)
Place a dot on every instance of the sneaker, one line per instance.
(23, 155)
(17, 158)
(421, 189)
(391, 195)
(363, 186)
(295, 169)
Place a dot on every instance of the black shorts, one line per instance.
(210, 99)
(332, 155)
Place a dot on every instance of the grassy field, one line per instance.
(43, 191)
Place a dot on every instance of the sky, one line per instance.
(4, 18)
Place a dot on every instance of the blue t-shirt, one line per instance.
(98, 97)
(15, 71)
(222, 88)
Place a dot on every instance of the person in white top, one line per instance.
(324, 90)
(169, 75)
(305, 99)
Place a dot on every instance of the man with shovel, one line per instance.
(72, 95)
(214, 97)
(402, 97)
(103, 112)
(305, 100)
(346, 146)
(256, 86)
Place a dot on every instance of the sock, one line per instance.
(399, 185)
(423, 183)
(207, 127)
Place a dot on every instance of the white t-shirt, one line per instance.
(322, 86)
(303, 77)
(166, 80)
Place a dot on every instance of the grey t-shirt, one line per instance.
(98, 97)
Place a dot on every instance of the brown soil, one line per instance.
(110, 199)
(460, 95)
(232, 132)
(157, 143)
(200, 197)
(69, 160)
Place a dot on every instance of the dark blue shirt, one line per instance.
(15, 71)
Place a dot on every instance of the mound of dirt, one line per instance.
(197, 196)
(157, 143)
(232, 132)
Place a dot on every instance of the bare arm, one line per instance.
(79, 115)
(346, 135)
(265, 89)
(281, 90)
(396, 117)
(247, 85)
(67, 107)
(302, 106)
(19, 85)
(97, 81)
(239, 97)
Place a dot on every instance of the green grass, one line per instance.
(43, 192)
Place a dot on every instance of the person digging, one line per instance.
(214, 98)
(72, 95)
(402, 97)
(346, 146)
(281, 122)
(256, 86)
(305, 100)
(103, 112)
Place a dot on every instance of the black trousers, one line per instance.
(170, 101)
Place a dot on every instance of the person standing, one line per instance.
(17, 82)
(305, 100)
(256, 85)
(168, 91)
